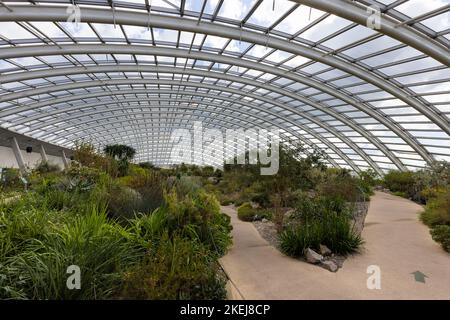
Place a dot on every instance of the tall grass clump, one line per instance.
(320, 220)
(333, 230)
(101, 249)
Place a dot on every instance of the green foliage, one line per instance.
(122, 154)
(309, 208)
(332, 230)
(437, 210)
(320, 220)
(37, 270)
(123, 202)
(441, 234)
(176, 269)
(46, 167)
(119, 151)
(339, 183)
(419, 185)
(11, 179)
(70, 218)
(143, 191)
(85, 155)
(400, 181)
(246, 212)
(198, 216)
(400, 194)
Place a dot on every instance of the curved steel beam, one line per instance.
(94, 15)
(388, 26)
(109, 103)
(342, 137)
(381, 118)
(78, 85)
(123, 132)
(316, 135)
(234, 91)
(228, 60)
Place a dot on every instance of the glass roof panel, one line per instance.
(331, 103)
(270, 11)
(232, 9)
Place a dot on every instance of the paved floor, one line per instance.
(395, 240)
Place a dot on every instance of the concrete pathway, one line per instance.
(395, 240)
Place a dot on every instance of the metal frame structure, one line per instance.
(138, 69)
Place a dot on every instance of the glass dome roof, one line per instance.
(132, 71)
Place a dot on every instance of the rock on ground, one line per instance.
(324, 250)
(312, 256)
(329, 265)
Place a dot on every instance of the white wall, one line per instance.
(8, 160)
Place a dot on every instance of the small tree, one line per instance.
(122, 154)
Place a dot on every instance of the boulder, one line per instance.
(329, 265)
(324, 250)
(264, 220)
(312, 256)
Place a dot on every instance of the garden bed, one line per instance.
(267, 230)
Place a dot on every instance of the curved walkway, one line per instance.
(395, 240)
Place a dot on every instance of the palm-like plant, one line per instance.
(122, 153)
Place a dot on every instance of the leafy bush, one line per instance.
(246, 212)
(419, 185)
(47, 167)
(437, 210)
(198, 216)
(85, 155)
(177, 269)
(11, 179)
(149, 184)
(340, 184)
(309, 208)
(442, 234)
(400, 181)
(123, 202)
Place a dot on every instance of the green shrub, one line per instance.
(332, 230)
(123, 202)
(198, 216)
(11, 179)
(437, 210)
(46, 167)
(246, 212)
(402, 181)
(99, 247)
(320, 220)
(149, 184)
(308, 208)
(442, 234)
(400, 194)
(340, 184)
(176, 269)
(58, 224)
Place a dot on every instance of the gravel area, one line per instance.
(267, 231)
